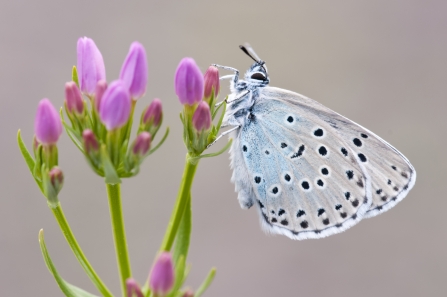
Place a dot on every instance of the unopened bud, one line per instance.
(188, 293)
(47, 125)
(152, 117)
(115, 105)
(212, 82)
(134, 70)
(133, 289)
(188, 82)
(73, 98)
(141, 144)
(91, 144)
(201, 120)
(56, 178)
(101, 87)
(90, 67)
(162, 276)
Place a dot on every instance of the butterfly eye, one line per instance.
(258, 76)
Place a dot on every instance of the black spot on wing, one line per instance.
(350, 174)
(299, 152)
(318, 132)
(357, 142)
(322, 150)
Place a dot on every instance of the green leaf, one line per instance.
(28, 158)
(72, 133)
(110, 174)
(25, 153)
(74, 75)
(206, 283)
(160, 143)
(219, 124)
(218, 107)
(196, 159)
(68, 289)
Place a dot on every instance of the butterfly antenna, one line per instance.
(244, 49)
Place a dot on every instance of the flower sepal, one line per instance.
(110, 174)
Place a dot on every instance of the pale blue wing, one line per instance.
(392, 175)
(302, 187)
(290, 142)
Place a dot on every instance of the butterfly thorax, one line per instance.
(244, 93)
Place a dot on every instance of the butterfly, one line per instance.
(309, 171)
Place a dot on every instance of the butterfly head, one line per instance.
(257, 75)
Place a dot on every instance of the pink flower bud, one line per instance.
(91, 144)
(188, 82)
(142, 144)
(212, 81)
(153, 113)
(73, 98)
(188, 293)
(162, 276)
(56, 178)
(201, 120)
(115, 105)
(134, 70)
(133, 289)
(101, 87)
(90, 67)
(47, 124)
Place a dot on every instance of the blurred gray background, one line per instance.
(381, 63)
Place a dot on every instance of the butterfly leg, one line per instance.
(231, 101)
(226, 76)
(222, 135)
(236, 72)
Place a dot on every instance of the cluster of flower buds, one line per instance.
(197, 93)
(47, 130)
(102, 132)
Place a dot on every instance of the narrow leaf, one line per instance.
(206, 283)
(74, 75)
(194, 159)
(72, 133)
(160, 143)
(68, 289)
(219, 124)
(28, 158)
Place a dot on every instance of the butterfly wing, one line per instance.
(311, 172)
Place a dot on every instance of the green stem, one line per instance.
(180, 204)
(119, 234)
(63, 224)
